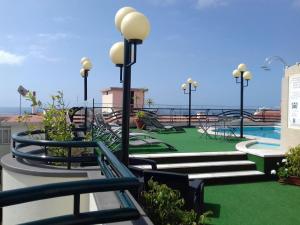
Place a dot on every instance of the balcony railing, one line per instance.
(118, 178)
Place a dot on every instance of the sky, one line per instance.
(42, 42)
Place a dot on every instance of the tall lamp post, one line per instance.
(135, 28)
(84, 72)
(188, 85)
(241, 74)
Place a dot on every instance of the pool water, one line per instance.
(260, 145)
(258, 131)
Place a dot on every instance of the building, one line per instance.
(113, 97)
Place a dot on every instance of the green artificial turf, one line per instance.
(262, 203)
(190, 141)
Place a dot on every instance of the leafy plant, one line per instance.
(140, 114)
(290, 166)
(164, 206)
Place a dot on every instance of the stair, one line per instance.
(213, 167)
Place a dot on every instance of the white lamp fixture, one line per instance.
(87, 65)
(121, 14)
(247, 75)
(236, 73)
(82, 72)
(184, 86)
(190, 80)
(116, 53)
(135, 26)
(195, 84)
(83, 59)
(242, 67)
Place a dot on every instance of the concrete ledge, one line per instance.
(34, 168)
(244, 147)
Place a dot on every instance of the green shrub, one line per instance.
(290, 166)
(164, 206)
(140, 114)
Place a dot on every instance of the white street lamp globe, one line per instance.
(184, 86)
(247, 75)
(121, 14)
(242, 67)
(87, 65)
(82, 73)
(190, 80)
(116, 53)
(135, 26)
(195, 84)
(83, 59)
(236, 73)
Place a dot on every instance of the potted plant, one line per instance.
(139, 120)
(289, 168)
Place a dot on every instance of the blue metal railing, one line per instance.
(118, 178)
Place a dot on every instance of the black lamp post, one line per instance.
(241, 75)
(135, 28)
(84, 72)
(189, 84)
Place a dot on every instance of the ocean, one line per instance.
(14, 110)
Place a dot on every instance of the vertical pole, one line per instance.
(242, 106)
(85, 98)
(190, 103)
(126, 101)
(20, 112)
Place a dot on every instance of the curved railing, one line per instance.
(119, 179)
(41, 154)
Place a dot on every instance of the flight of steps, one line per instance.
(213, 167)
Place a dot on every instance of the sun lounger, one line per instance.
(112, 138)
(153, 124)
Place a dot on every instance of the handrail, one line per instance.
(45, 191)
(119, 179)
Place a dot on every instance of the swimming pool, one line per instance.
(258, 131)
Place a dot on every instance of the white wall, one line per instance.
(37, 209)
(289, 137)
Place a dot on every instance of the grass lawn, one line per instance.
(190, 141)
(262, 203)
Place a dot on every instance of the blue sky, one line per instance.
(42, 42)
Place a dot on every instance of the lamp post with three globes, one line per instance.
(189, 84)
(135, 27)
(240, 74)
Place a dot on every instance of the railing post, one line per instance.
(76, 207)
(69, 157)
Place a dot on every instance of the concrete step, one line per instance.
(168, 158)
(229, 177)
(204, 167)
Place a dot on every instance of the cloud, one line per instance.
(204, 4)
(10, 58)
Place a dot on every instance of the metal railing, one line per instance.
(180, 115)
(119, 179)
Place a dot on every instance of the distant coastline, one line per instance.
(13, 110)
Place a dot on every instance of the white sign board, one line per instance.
(294, 102)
